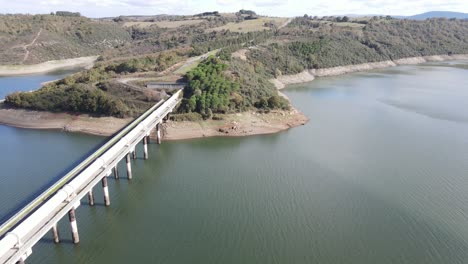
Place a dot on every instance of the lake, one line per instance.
(378, 175)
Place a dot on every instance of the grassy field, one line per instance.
(164, 24)
(252, 25)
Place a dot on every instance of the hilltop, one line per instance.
(438, 14)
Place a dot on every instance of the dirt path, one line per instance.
(25, 47)
(285, 23)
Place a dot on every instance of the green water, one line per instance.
(378, 175)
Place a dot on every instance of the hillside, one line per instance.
(26, 39)
(439, 14)
(237, 78)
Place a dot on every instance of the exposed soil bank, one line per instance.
(309, 75)
(102, 126)
(242, 124)
(49, 66)
(236, 125)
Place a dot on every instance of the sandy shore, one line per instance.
(309, 75)
(49, 66)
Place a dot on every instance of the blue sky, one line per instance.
(102, 8)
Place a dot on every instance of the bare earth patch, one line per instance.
(235, 125)
(8, 70)
(101, 126)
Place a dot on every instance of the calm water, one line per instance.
(378, 175)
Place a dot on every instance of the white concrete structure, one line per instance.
(28, 226)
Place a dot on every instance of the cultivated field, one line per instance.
(164, 24)
(252, 25)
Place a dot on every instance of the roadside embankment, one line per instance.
(309, 75)
(49, 66)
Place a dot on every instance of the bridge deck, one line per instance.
(29, 227)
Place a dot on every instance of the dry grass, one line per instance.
(252, 25)
(164, 24)
(193, 62)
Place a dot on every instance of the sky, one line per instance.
(289, 8)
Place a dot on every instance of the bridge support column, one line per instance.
(74, 226)
(133, 154)
(55, 234)
(158, 133)
(106, 191)
(91, 197)
(115, 171)
(129, 167)
(145, 147)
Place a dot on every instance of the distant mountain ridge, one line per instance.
(436, 14)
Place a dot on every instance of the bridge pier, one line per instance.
(55, 234)
(158, 133)
(133, 154)
(145, 147)
(106, 191)
(129, 167)
(91, 197)
(115, 171)
(73, 225)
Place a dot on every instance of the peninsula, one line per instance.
(231, 65)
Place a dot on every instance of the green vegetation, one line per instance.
(142, 46)
(73, 98)
(61, 36)
(210, 90)
(95, 91)
(313, 43)
(216, 87)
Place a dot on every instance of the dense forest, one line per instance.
(224, 83)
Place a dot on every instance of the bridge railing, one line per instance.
(28, 209)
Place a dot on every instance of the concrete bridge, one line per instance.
(22, 231)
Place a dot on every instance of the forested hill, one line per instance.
(27, 39)
(248, 51)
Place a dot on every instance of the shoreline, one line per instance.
(48, 66)
(232, 125)
(309, 75)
